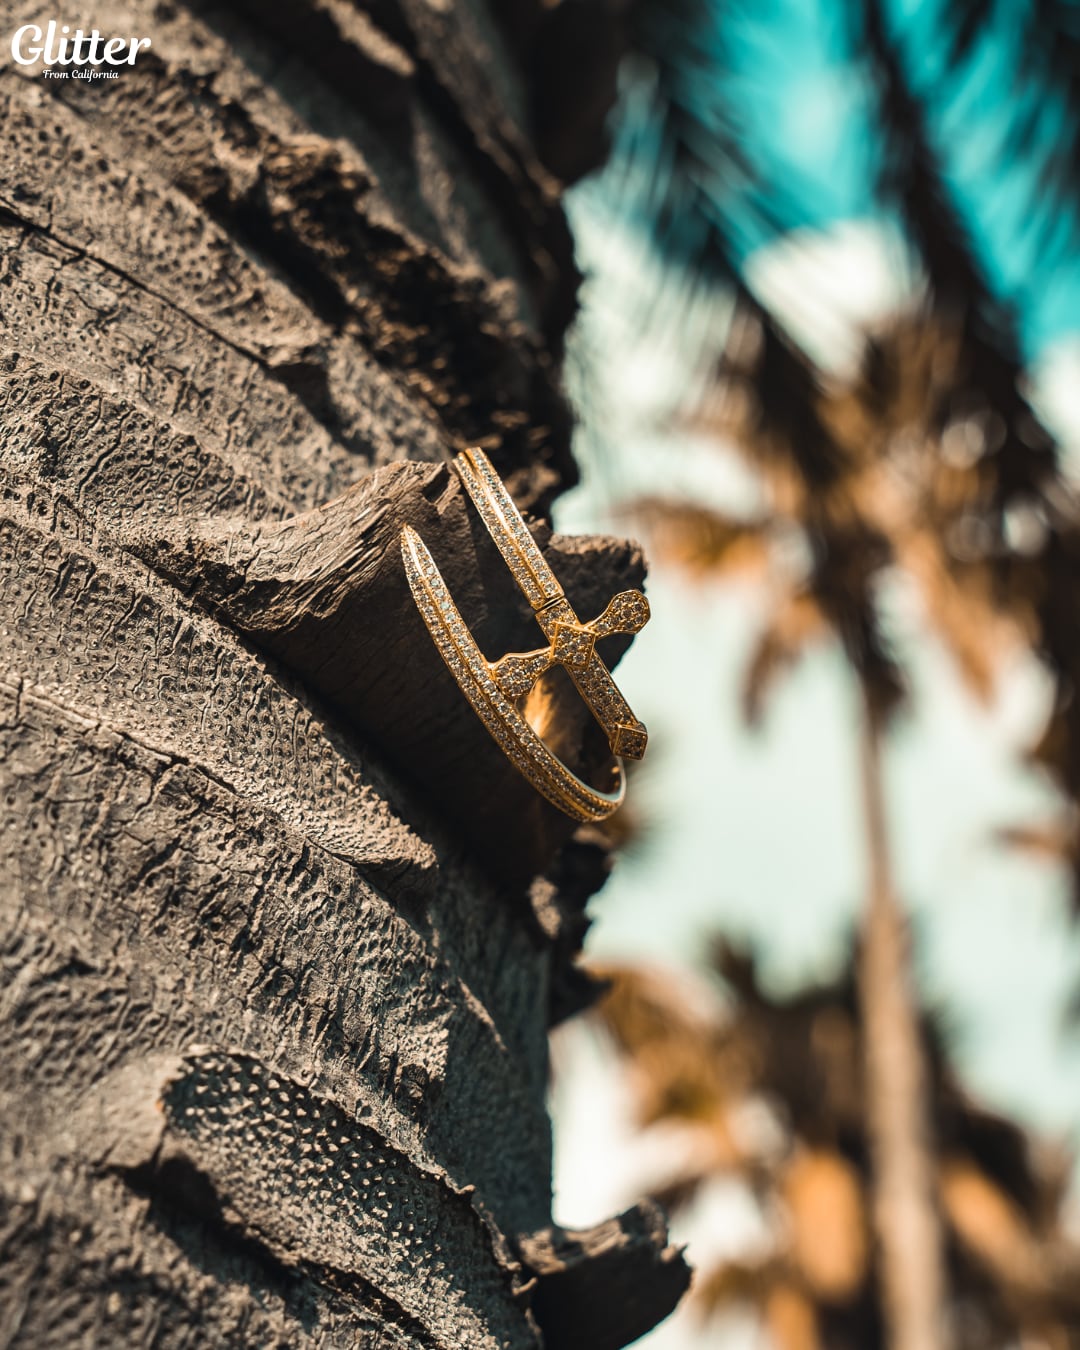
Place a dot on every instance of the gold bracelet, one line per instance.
(493, 687)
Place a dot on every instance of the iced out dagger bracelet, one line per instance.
(494, 687)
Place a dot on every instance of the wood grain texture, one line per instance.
(274, 987)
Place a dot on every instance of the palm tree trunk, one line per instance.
(273, 1025)
(905, 1211)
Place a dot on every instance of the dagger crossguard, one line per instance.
(493, 687)
(573, 645)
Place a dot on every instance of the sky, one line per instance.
(758, 832)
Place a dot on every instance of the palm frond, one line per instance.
(678, 148)
(1044, 119)
(795, 623)
(847, 552)
(700, 539)
(989, 374)
(785, 417)
(681, 172)
(828, 1230)
(1004, 1198)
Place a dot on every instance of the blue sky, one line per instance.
(807, 114)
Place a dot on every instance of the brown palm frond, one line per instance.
(822, 1193)
(702, 540)
(960, 609)
(729, 1283)
(787, 1311)
(989, 1224)
(1054, 841)
(792, 1319)
(796, 623)
(687, 1065)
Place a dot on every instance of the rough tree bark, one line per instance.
(281, 932)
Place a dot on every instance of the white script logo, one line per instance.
(57, 45)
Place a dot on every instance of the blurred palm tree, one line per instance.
(771, 1091)
(904, 493)
(930, 460)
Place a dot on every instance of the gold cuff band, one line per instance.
(493, 686)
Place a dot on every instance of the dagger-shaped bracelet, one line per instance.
(493, 687)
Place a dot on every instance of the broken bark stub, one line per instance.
(326, 594)
(603, 1287)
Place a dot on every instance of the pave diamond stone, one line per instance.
(517, 672)
(572, 645)
(629, 742)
